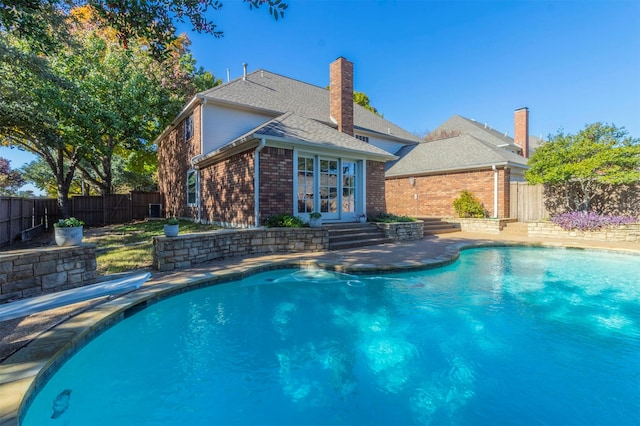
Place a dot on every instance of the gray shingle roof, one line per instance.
(477, 130)
(456, 153)
(273, 92)
(293, 127)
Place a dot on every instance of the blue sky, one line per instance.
(570, 62)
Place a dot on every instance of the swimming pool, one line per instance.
(502, 336)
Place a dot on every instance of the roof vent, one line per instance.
(244, 73)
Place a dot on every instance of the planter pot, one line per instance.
(171, 230)
(362, 219)
(315, 223)
(68, 236)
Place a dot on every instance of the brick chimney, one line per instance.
(521, 130)
(341, 94)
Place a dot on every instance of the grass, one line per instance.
(127, 247)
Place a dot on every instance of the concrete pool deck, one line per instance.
(29, 345)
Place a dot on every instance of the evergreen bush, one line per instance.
(468, 205)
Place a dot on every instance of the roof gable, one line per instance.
(480, 131)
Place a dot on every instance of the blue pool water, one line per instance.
(517, 336)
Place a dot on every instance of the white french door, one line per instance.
(327, 185)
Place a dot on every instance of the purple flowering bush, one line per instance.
(589, 221)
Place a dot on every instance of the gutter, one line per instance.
(256, 181)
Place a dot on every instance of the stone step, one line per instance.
(516, 228)
(351, 235)
(435, 225)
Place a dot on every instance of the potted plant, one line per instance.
(171, 227)
(315, 220)
(362, 218)
(68, 232)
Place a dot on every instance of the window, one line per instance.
(188, 127)
(192, 187)
(363, 138)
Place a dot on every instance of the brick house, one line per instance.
(265, 144)
(465, 155)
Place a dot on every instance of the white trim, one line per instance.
(197, 192)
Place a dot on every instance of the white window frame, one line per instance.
(196, 190)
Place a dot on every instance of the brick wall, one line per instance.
(375, 188)
(30, 273)
(276, 182)
(174, 159)
(187, 250)
(227, 190)
(433, 195)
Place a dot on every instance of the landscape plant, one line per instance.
(468, 205)
(590, 221)
(579, 166)
(391, 218)
(71, 222)
(284, 220)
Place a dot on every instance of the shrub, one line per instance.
(72, 222)
(468, 205)
(284, 220)
(390, 218)
(589, 221)
(172, 221)
(315, 215)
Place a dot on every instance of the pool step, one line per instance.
(435, 225)
(352, 235)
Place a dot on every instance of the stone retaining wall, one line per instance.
(485, 226)
(403, 231)
(187, 250)
(621, 233)
(28, 273)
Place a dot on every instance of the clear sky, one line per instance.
(420, 62)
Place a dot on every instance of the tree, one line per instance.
(42, 21)
(362, 99)
(10, 180)
(600, 154)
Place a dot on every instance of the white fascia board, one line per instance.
(192, 103)
(316, 147)
(459, 169)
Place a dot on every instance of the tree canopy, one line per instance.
(600, 154)
(93, 82)
(10, 180)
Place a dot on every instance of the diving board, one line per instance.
(24, 307)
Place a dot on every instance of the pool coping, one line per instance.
(24, 372)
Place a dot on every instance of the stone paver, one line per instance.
(31, 344)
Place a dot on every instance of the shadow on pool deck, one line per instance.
(29, 344)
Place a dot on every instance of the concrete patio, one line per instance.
(33, 343)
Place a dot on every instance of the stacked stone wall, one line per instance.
(188, 250)
(484, 226)
(623, 233)
(403, 231)
(29, 273)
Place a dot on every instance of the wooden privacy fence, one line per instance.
(21, 214)
(526, 202)
(103, 210)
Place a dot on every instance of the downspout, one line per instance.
(256, 181)
(199, 198)
(495, 191)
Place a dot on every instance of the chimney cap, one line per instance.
(518, 109)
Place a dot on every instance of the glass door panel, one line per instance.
(306, 187)
(328, 188)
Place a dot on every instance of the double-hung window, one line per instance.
(188, 127)
(192, 187)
